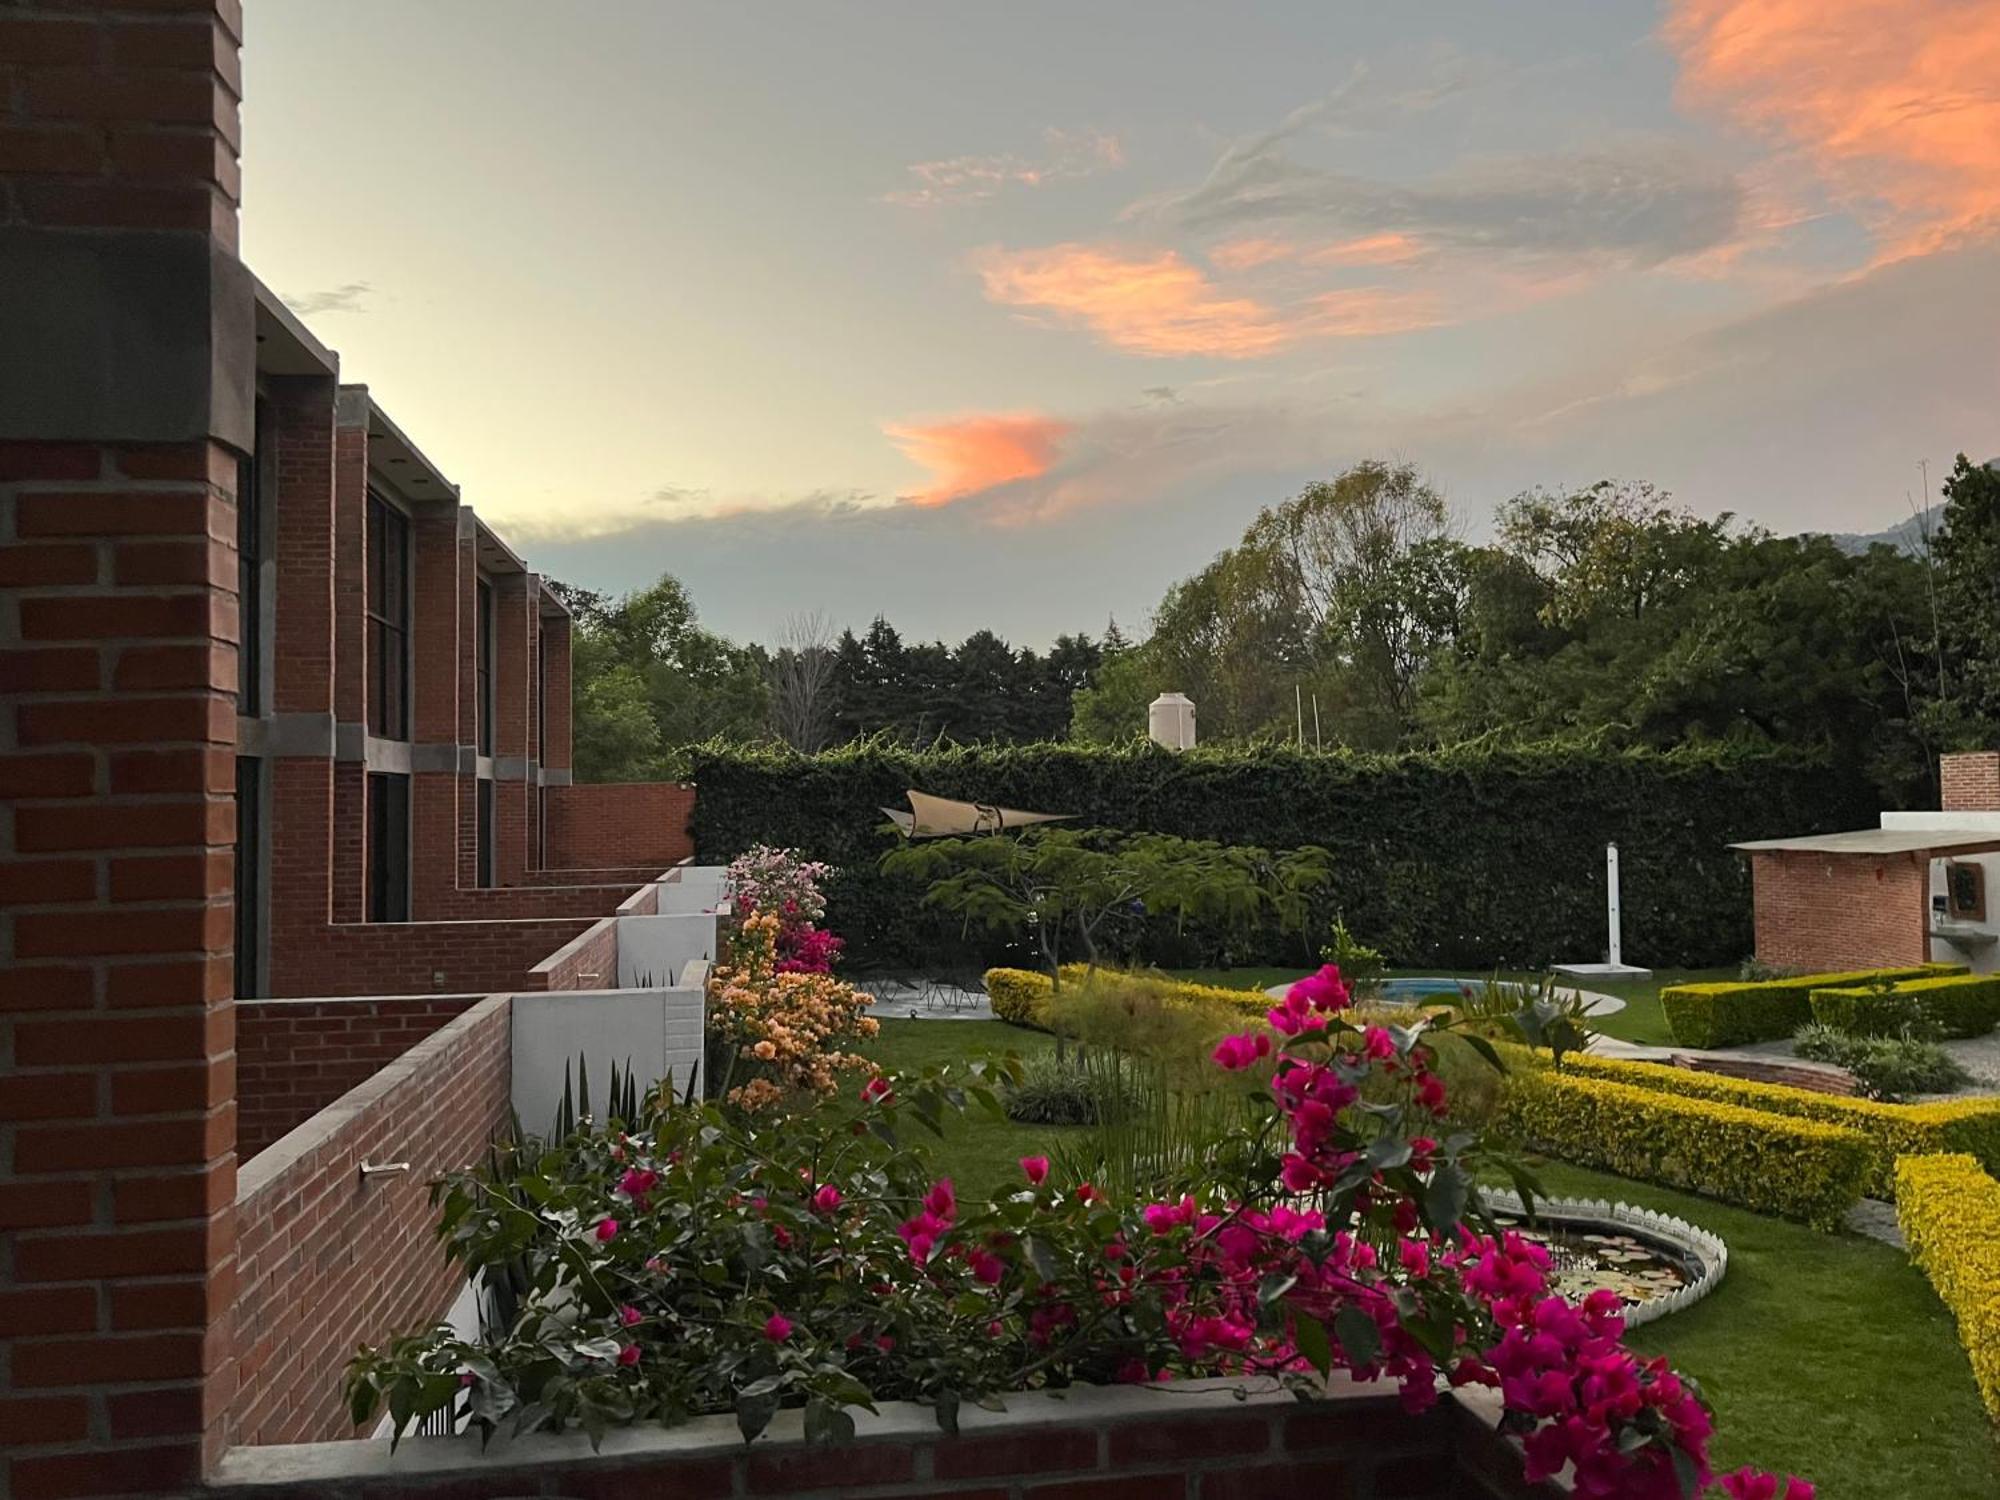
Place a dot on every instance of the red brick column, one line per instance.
(513, 609)
(556, 675)
(468, 697)
(123, 411)
(440, 645)
(300, 426)
(1970, 781)
(349, 872)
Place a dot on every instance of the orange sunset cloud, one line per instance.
(1388, 249)
(968, 455)
(1146, 303)
(1161, 304)
(1893, 102)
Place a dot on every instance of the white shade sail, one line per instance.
(940, 817)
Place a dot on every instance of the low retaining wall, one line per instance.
(1190, 1442)
(295, 1057)
(327, 1259)
(398, 958)
(618, 823)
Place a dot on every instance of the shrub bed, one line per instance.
(1796, 1168)
(1725, 1013)
(1956, 1004)
(1022, 995)
(1949, 1209)
(1956, 1125)
(1467, 858)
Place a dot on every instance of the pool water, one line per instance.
(1412, 991)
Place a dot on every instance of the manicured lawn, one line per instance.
(1641, 1020)
(1824, 1354)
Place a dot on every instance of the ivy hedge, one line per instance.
(1463, 858)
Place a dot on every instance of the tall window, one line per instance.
(250, 575)
(388, 621)
(249, 874)
(542, 695)
(388, 848)
(485, 831)
(482, 654)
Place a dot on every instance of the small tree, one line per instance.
(1054, 881)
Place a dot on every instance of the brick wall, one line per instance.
(1093, 1444)
(328, 1260)
(398, 958)
(1815, 912)
(295, 1057)
(620, 822)
(118, 631)
(1970, 782)
(588, 961)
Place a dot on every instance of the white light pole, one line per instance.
(1616, 957)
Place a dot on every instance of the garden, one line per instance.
(1134, 1176)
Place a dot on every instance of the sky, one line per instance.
(1007, 316)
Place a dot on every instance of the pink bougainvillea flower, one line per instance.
(637, 1184)
(777, 1328)
(1035, 1169)
(1378, 1044)
(1085, 1193)
(628, 1315)
(827, 1199)
(607, 1230)
(1239, 1052)
(877, 1091)
(629, 1355)
(657, 1266)
(941, 1200)
(1755, 1484)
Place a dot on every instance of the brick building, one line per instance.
(284, 722)
(1913, 890)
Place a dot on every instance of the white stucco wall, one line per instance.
(656, 1033)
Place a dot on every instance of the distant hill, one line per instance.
(1905, 536)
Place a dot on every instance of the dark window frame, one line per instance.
(250, 552)
(1965, 891)
(485, 642)
(388, 610)
(388, 847)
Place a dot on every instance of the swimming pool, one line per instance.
(1412, 991)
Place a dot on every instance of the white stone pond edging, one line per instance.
(1708, 1252)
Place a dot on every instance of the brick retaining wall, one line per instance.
(327, 1260)
(619, 823)
(1189, 1442)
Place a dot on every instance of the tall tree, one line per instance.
(802, 683)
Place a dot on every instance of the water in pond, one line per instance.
(1586, 1256)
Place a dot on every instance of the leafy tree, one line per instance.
(1967, 552)
(1056, 881)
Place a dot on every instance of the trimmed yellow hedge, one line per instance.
(1797, 1168)
(1022, 995)
(1724, 1013)
(1950, 1213)
(1966, 1125)
(1957, 1004)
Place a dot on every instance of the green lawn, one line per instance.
(1640, 1021)
(1824, 1354)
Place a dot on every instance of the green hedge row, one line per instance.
(1957, 1004)
(1727, 1013)
(1463, 859)
(1798, 1168)
(1949, 1125)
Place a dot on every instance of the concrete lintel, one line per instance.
(510, 768)
(555, 776)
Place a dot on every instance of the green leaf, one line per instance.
(946, 1403)
(1358, 1335)
(754, 1413)
(1274, 1286)
(1310, 1335)
(1445, 1195)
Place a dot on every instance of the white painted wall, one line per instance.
(653, 951)
(693, 888)
(655, 1032)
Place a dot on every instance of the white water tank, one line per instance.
(1170, 721)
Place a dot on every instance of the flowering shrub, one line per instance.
(807, 950)
(777, 1030)
(698, 1264)
(781, 882)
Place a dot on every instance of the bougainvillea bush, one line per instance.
(785, 885)
(702, 1260)
(775, 1032)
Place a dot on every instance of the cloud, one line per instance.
(972, 454)
(1068, 155)
(349, 297)
(675, 505)
(1895, 104)
(1639, 204)
(1388, 249)
(1144, 302)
